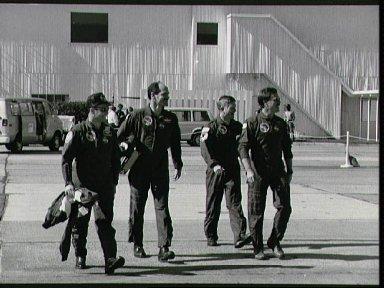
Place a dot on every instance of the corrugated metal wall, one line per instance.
(261, 45)
(149, 42)
(358, 69)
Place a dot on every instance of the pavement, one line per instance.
(332, 236)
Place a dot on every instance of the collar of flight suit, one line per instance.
(263, 116)
(148, 112)
(92, 126)
(221, 121)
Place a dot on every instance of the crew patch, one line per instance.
(222, 129)
(91, 136)
(147, 120)
(264, 127)
(204, 134)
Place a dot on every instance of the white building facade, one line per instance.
(324, 60)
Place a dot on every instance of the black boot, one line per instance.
(244, 240)
(111, 264)
(80, 262)
(138, 251)
(165, 254)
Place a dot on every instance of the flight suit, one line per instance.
(219, 147)
(152, 136)
(97, 163)
(268, 139)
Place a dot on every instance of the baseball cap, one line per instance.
(97, 99)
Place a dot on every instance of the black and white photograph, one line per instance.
(189, 143)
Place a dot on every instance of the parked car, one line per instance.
(25, 121)
(191, 121)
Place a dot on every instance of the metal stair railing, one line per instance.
(261, 44)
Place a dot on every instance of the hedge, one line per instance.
(75, 108)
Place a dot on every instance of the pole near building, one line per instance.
(347, 164)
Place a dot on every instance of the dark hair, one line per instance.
(265, 95)
(288, 107)
(224, 99)
(153, 88)
(120, 105)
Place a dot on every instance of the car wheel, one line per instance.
(54, 145)
(196, 140)
(8, 146)
(17, 145)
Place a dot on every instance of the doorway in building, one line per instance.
(369, 118)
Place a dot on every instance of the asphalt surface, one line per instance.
(332, 236)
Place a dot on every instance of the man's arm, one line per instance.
(176, 149)
(69, 152)
(243, 149)
(208, 141)
(125, 128)
(116, 154)
(287, 151)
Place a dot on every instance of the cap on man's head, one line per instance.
(96, 99)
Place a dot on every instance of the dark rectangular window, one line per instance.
(89, 27)
(207, 33)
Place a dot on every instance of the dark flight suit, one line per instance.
(97, 161)
(267, 139)
(219, 147)
(153, 135)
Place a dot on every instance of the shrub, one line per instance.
(75, 108)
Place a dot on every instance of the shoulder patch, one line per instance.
(245, 125)
(205, 130)
(69, 137)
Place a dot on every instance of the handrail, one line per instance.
(298, 106)
(344, 85)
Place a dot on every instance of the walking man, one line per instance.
(120, 113)
(219, 150)
(152, 130)
(289, 117)
(93, 146)
(267, 136)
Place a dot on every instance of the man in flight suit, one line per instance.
(153, 130)
(93, 146)
(267, 136)
(219, 150)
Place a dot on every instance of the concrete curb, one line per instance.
(3, 179)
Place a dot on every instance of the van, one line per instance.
(191, 121)
(25, 121)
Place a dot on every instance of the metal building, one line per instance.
(323, 59)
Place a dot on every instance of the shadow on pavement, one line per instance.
(327, 245)
(189, 270)
(28, 152)
(330, 256)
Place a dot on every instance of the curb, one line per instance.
(3, 179)
(2, 197)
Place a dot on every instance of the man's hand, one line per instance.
(217, 168)
(250, 176)
(177, 174)
(69, 190)
(123, 146)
